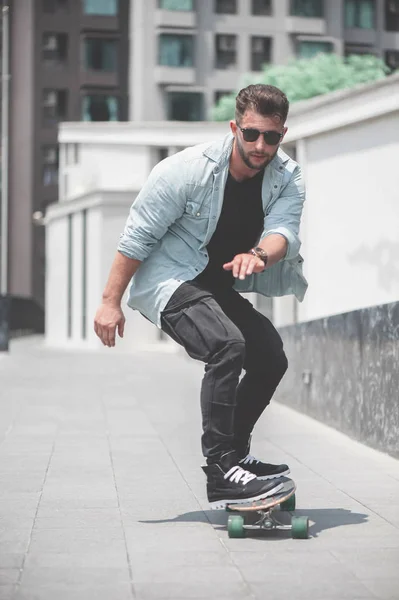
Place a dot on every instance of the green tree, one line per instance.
(305, 78)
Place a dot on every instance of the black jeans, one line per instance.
(224, 330)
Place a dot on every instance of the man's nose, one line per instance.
(260, 144)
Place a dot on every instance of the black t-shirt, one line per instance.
(239, 228)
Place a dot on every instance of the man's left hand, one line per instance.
(243, 265)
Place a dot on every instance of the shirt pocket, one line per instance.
(198, 204)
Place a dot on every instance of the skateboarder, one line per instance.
(212, 221)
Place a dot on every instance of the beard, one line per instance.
(246, 157)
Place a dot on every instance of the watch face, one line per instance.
(262, 254)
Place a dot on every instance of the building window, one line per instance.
(55, 49)
(52, 6)
(392, 59)
(359, 14)
(307, 8)
(311, 49)
(185, 106)
(226, 7)
(54, 106)
(176, 50)
(108, 8)
(262, 7)
(99, 107)
(392, 15)
(219, 94)
(226, 51)
(100, 54)
(50, 165)
(176, 4)
(260, 52)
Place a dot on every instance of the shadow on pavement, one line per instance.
(320, 518)
(329, 518)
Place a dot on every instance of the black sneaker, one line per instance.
(263, 470)
(235, 486)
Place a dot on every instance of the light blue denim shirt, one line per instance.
(175, 215)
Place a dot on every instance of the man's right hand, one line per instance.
(109, 317)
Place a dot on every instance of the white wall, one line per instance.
(351, 223)
(56, 278)
(106, 216)
(105, 167)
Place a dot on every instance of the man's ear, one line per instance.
(284, 132)
(233, 127)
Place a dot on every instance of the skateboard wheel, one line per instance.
(300, 528)
(289, 505)
(235, 526)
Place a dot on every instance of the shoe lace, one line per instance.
(249, 459)
(238, 475)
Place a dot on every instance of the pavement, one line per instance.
(102, 496)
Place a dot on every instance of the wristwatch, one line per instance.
(260, 253)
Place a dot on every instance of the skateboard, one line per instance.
(285, 499)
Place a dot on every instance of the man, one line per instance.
(210, 222)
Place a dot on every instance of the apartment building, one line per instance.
(186, 54)
(68, 62)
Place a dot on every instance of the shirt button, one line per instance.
(198, 214)
(275, 187)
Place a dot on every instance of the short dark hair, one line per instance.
(266, 100)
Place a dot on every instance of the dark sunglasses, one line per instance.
(272, 138)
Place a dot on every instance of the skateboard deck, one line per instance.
(288, 490)
(285, 499)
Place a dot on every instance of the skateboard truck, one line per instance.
(285, 499)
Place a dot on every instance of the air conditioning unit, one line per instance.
(50, 42)
(50, 156)
(227, 43)
(392, 59)
(258, 45)
(50, 99)
(393, 7)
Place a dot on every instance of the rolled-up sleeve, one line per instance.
(285, 214)
(160, 203)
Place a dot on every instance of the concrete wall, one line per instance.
(343, 371)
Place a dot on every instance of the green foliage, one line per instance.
(305, 78)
